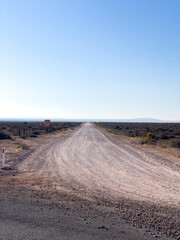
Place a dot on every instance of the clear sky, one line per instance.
(90, 59)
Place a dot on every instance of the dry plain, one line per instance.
(90, 184)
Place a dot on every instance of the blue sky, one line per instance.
(90, 59)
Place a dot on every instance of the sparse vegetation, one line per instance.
(4, 136)
(23, 146)
(26, 130)
(174, 143)
(33, 135)
(163, 134)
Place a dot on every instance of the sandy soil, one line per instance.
(91, 169)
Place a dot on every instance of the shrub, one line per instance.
(149, 135)
(130, 134)
(164, 146)
(24, 136)
(174, 143)
(148, 141)
(4, 136)
(33, 135)
(36, 133)
(163, 136)
(24, 146)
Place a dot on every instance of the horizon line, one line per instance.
(90, 119)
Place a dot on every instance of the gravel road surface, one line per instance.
(92, 162)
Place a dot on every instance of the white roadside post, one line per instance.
(3, 157)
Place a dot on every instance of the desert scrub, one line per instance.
(174, 143)
(130, 134)
(33, 135)
(4, 136)
(149, 139)
(36, 133)
(23, 136)
(23, 146)
(37, 128)
(149, 135)
(163, 136)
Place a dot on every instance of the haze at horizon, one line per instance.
(90, 59)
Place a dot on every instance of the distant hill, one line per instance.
(142, 120)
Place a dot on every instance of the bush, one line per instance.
(149, 135)
(174, 143)
(24, 136)
(130, 134)
(24, 146)
(33, 135)
(36, 133)
(163, 136)
(148, 141)
(4, 136)
(164, 146)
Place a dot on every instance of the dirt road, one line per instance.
(89, 161)
(89, 165)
